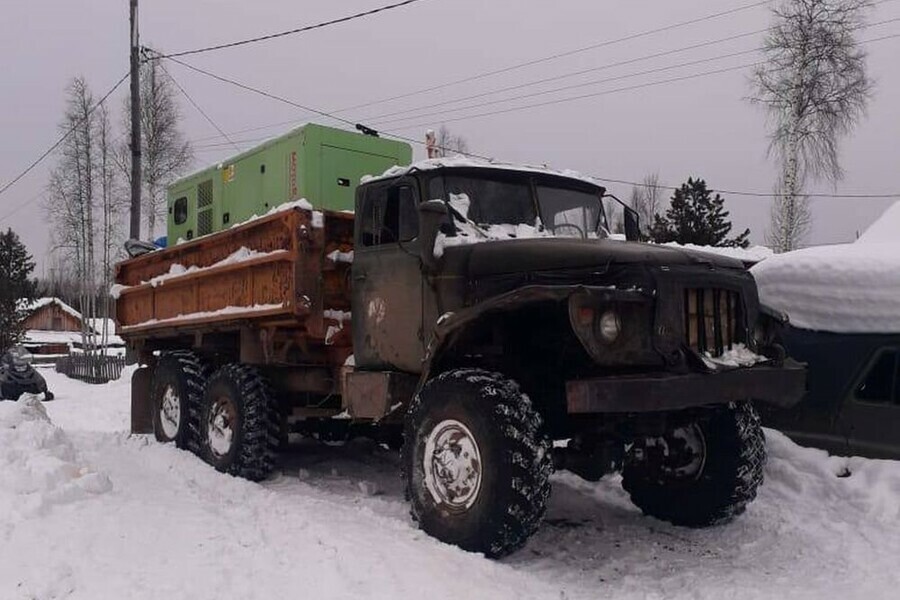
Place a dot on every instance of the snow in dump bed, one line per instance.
(333, 524)
(845, 288)
(222, 312)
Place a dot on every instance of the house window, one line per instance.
(880, 383)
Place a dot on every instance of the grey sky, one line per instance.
(700, 127)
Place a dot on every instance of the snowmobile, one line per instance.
(18, 377)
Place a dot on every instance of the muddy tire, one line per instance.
(239, 424)
(718, 473)
(475, 462)
(177, 388)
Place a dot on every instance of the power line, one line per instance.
(304, 29)
(576, 73)
(742, 193)
(59, 141)
(598, 178)
(606, 92)
(570, 87)
(560, 55)
(197, 106)
(590, 70)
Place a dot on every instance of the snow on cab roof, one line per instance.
(468, 162)
(844, 288)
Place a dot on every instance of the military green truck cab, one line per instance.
(524, 322)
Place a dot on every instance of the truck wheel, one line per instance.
(239, 424)
(177, 387)
(700, 474)
(475, 463)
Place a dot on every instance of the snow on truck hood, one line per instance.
(844, 288)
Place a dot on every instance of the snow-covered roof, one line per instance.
(844, 288)
(46, 301)
(463, 161)
(39, 336)
(886, 229)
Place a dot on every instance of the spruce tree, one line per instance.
(695, 216)
(17, 290)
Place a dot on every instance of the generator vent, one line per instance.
(205, 208)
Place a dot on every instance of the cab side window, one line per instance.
(389, 215)
(881, 382)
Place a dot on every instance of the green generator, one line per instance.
(322, 164)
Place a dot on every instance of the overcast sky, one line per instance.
(697, 127)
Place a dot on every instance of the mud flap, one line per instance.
(141, 409)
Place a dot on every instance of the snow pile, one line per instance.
(176, 528)
(39, 466)
(753, 254)
(846, 288)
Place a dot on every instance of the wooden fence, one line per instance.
(92, 369)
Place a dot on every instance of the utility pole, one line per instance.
(135, 228)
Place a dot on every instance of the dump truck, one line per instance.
(479, 317)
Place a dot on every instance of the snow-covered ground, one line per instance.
(89, 512)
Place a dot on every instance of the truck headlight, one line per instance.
(609, 326)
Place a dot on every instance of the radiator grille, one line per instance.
(711, 319)
(204, 222)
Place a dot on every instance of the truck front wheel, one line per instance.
(702, 472)
(177, 387)
(475, 463)
(239, 424)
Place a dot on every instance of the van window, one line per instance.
(181, 210)
(879, 384)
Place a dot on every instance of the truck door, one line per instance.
(387, 278)
(871, 413)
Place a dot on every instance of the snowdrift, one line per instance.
(39, 466)
(845, 288)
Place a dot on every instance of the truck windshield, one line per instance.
(561, 210)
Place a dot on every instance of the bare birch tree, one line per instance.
(646, 200)
(449, 144)
(814, 87)
(72, 194)
(165, 154)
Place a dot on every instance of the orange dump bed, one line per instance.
(289, 269)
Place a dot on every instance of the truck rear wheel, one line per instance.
(475, 463)
(702, 473)
(239, 424)
(177, 388)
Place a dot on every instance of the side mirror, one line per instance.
(431, 214)
(632, 225)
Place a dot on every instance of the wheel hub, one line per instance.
(679, 454)
(452, 465)
(220, 426)
(170, 412)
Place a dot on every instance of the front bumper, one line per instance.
(780, 386)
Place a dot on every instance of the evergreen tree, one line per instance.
(17, 290)
(696, 217)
